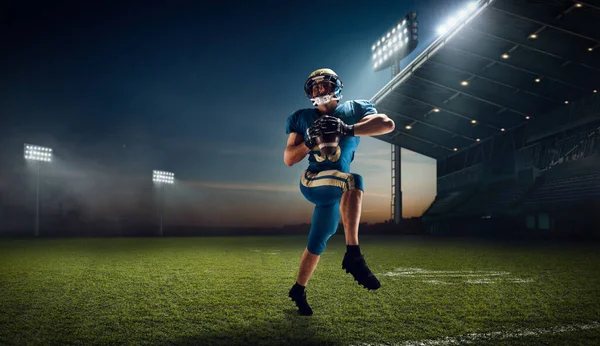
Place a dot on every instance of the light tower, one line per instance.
(396, 44)
(161, 178)
(38, 154)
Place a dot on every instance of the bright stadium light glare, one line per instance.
(442, 29)
(452, 21)
(373, 48)
(37, 153)
(394, 44)
(460, 16)
(163, 177)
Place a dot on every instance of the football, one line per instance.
(328, 142)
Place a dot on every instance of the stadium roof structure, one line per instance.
(506, 63)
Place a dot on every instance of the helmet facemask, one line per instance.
(322, 89)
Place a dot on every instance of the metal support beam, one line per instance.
(400, 115)
(545, 24)
(397, 183)
(587, 4)
(445, 110)
(470, 95)
(413, 145)
(534, 74)
(537, 50)
(404, 133)
(516, 88)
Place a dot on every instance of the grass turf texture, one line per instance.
(230, 291)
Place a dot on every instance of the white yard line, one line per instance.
(491, 336)
(470, 276)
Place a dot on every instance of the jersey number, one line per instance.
(320, 157)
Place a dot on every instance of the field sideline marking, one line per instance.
(491, 336)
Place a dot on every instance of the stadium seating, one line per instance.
(499, 201)
(445, 202)
(568, 189)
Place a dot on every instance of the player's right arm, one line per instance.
(296, 150)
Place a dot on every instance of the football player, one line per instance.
(328, 183)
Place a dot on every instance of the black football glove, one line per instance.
(310, 137)
(329, 124)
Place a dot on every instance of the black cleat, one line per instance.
(298, 295)
(362, 274)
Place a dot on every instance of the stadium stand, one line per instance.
(507, 103)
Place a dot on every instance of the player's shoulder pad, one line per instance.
(364, 104)
(363, 108)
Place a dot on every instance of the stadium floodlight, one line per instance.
(38, 154)
(459, 17)
(398, 42)
(162, 178)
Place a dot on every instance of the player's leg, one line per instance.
(308, 264)
(324, 224)
(325, 221)
(350, 209)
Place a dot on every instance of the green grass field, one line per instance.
(233, 291)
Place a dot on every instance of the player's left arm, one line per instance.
(373, 125)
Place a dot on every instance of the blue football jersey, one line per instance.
(350, 112)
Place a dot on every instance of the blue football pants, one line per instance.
(325, 189)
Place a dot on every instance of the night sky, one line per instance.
(200, 90)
